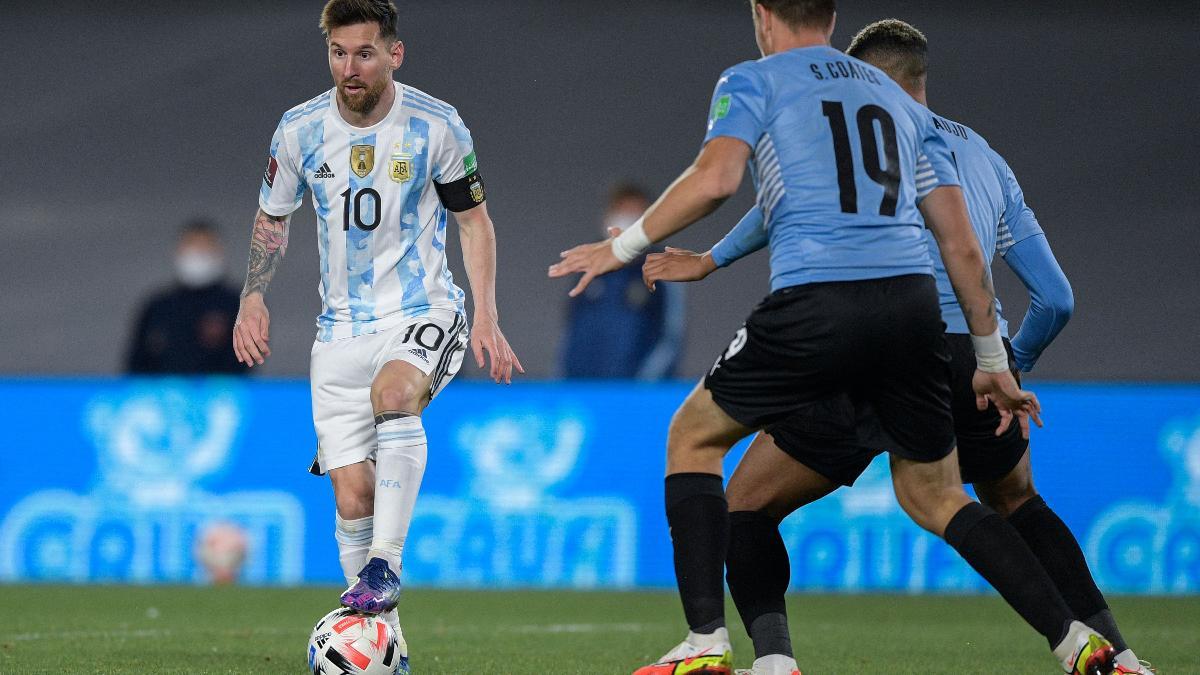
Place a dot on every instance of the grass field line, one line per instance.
(137, 633)
(158, 633)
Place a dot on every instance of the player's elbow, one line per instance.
(1062, 304)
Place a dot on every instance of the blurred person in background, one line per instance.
(617, 328)
(185, 329)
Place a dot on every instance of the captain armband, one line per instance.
(463, 194)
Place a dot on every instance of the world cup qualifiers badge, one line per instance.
(362, 160)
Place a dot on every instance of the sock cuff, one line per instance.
(353, 531)
(684, 486)
(1028, 510)
(401, 431)
(964, 521)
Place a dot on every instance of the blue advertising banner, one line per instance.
(533, 485)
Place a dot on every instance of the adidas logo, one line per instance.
(420, 354)
(324, 172)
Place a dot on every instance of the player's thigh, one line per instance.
(836, 437)
(929, 492)
(909, 387)
(701, 434)
(795, 348)
(416, 360)
(983, 457)
(1009, 492)
(340, 378)
(768, 479)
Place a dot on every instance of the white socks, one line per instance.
(353, 540)
(717, 638)
(1068, 650)
(399, 467)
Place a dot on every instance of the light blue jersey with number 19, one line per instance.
(842, 156)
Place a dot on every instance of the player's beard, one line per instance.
(365, 102)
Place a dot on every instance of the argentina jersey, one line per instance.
(841, 157)
(995, 203)
(381, 227)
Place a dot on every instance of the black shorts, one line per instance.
(839, 437)
(877, 342)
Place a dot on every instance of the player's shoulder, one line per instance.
(304, 112)
(417, 102)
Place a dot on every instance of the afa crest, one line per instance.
(477, 191)
(402, 168)
(362, 160)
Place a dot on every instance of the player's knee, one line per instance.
(399, 396)
(931, 509)
(1006, 502)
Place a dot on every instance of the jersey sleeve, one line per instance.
(738, 106)
(1018, 223)
(283, 183)
(455, 169)
(935, 163)
(748, 236)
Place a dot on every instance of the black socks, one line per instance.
(994, 549)
(699, 520)
(759, 571)
(1057, 549)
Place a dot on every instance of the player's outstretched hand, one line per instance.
(252, 331)
(486, 336)
(1010, 400)
(591, 259)
(676, 264)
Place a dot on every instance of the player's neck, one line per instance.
(785, 40)
(372, 117)
(918, 95)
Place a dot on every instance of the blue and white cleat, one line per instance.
(376, 591)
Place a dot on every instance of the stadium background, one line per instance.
(123, 122)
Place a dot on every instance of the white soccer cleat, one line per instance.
(772, 664)
(699, 654)
(1129, 664)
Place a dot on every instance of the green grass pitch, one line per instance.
(234, 630)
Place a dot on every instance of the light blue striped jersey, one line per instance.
(381, 229)
(841, 157)
(996, 204)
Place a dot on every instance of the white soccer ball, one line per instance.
(345, 642)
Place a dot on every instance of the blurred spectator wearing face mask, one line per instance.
(185, 329)
(617, 328)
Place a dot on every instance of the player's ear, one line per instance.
(397, 54)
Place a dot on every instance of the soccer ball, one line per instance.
(345, 642)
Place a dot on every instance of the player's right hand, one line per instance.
(676, 264)
(252, 331)
(1001, 389)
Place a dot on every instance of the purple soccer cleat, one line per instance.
(377, 590)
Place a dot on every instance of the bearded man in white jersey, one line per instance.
(384, 162)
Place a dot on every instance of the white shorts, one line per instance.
(342, 371)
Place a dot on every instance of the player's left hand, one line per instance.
(486, 336)
(1010, 400)
(591, 259)
(676, 264)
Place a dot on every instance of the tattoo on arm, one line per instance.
(268, 243)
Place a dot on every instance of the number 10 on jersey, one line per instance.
(355, 205)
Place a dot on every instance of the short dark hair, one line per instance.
(627, 189)
(200, 225)
(796, 13)
(338, 13)
(895, 47)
